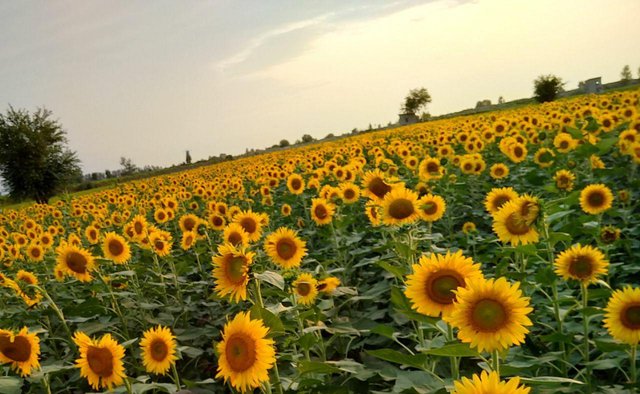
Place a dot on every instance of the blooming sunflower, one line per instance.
(158, 347)
(231, 271)
(490, 314)
(285, 210)
(285, 248)
(468, 227)
(564, 179)
(349, 192)
(35, 252)
(622, 315)
(400, 206)
(583, 263)
(295, 184)
(251, 223)
(499, 171)
(328, 285)
(609, 234)
(73, 260)
(246, 355)
(435, 278)
(431, 207)
(374, 185)
(511, 226)
(116, 248)
(188, 239)
(497, 197)
(235, 235)
(595, 199)
(372, 212)
(161, 242)
(305, 288)
(322, 211)
(30, 296)
(21, 350)
(100, 360)
(189, 222)
(489, 383)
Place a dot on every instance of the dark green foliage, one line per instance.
(34, 159)
(547, 87)
(415, 100)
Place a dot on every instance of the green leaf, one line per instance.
(318, 367)
(10, 385)
(549, 380)
(272, 278)
(575, 133)
(190, 351)
(270, 320)
(398, 272)
(558, 215)
(385, 331)
(397, 357)
(605, 144)
(453, 350)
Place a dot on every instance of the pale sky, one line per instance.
(149, 80)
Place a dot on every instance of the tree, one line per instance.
(625, 74)
(34, 160)
(188, 158)
(547, 87)
(128, 167)
(307, 138)
(284, 143)
(638, 72)
(500, 100)
(416, 100)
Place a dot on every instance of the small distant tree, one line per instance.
(500, 100)
(330, 135)
(307, 138)
(547, 87)
(638, 72)
(284, 143)
(625, 74)
(354, 131)
(416, 100)
(188, 158)
(128, 167)
(107, 173)
(34, 159)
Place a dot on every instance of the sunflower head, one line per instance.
(75, 261)
(497, 197)
(158, 347)
(400, 206)
(328, 285)
(231, 271)
(431, 207)
(595, 199)
(100, 360)
(285, 248)
(583, 263)
(622, 315)
(245, 353)
(116, 248)
(305, 287)
(21, 350)
(322, 211)
(489, 382)
(513, 223)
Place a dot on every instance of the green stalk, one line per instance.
(455, 374)
(176, 377)
(57, 310)
(278, 382)
(634, 372)
(495, 362)
(585, 324)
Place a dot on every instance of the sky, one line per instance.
(149, 80)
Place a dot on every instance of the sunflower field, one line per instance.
(493, 253)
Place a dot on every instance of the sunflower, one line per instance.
(285, 248)
(622, 315)
(595, 199)
(245, 354)
(139, 226)
(583, 263)
(158, 346)
(430, 168)
(305, 288)
(490, 314)
(285, 210)
(189, 222)
(511, 226)
(490, 383)
(30, 296)
(35, 252)
(544, 157)
(161, 215)
(251, 223)
(116, 248)
(374, 185)
(100, 360)
(564, 179)
(435, 278)
(188, 239)
(235, 234)
(468, 227)
(349, 192)
(322, 211)
(217, 221)
(92, 234)
(564, 142)
(21, 350)
(328, 285)
(400, 206)
(161, 243)
(431, 208)
(517, 152)
(372, 211)
(499, 171)
(231, 271)
(609, 234)
(497, 197)
(295, 184)
(76, 261)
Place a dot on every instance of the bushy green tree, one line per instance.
(416, 100)
(625, 74)
(34, 159)
(547, 87)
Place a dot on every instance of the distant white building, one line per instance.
(405, 119)
(593, 85)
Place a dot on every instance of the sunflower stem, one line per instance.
(585, 323)
(116, 306)
(176, 376)
(57, 310)
(454, 360)
(634, 372)
(127, 383)
(159, 272)
(495, 362)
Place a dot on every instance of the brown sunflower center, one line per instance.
(349, 194)
(217, 221)
(116, 248)
(581, 267)
(430, 208)
(77, 262)
(401, 208)
(378, 187)
(159, 350)
(441, 284)
(100, 361)
(235, 238)
(500, 200)
(595, 199)
(159, 244)
(240, 352)
(433, 168)
(137, 227)
(249, 225)
(498, 171)
(488, 315)
(19, 350)
(303, 288)
(321, 212)
(630, 317)
(35, 252)
(189, 223)
(286, 248)
(564, 144)
(518, 152)
(235, 269)
(296, 184)
(516, 225)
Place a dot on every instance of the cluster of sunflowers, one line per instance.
(437, 257)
